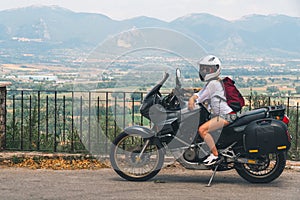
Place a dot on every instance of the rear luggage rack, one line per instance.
(276, 112)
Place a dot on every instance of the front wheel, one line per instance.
(269, 168)
(135, 158)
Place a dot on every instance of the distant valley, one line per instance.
(46, 48)
(41, 34)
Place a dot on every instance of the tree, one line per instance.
(118, 95)
(136, 96)
(298, 89)
(272, 89)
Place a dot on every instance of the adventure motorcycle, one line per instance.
(255, 144)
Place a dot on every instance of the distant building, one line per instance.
(38, 77)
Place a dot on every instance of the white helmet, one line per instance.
(209, 68)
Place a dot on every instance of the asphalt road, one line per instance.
(19, 184)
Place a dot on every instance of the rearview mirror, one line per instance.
(178, 76)
(178, 73)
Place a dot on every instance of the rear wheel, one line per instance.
(128, 161)
(269, 168)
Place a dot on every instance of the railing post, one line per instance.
(142, 99)
(288, 106)
(55, 122)
(72, 124)
(297, 123)
(106, 121)
(89, 122)
(132, 110)
(22, 121)
(250, 102)
(3, 93)
(115, 118)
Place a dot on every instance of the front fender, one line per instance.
(145, 133)
(140, 130)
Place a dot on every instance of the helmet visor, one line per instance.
(207, 69)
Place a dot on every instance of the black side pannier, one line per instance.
(266, 136)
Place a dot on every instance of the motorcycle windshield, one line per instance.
(152, 97)
(156, 88)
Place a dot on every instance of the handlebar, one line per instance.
(166, 76)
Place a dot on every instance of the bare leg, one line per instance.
(211, 125)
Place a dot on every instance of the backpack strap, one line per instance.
(218, 96)
(224, 99)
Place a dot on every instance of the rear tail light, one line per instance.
(286, 119)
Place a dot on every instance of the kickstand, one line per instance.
(212, 176)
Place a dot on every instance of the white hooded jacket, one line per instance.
(213, 92)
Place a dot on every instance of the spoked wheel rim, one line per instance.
(267, 168)
(131, 162)
(268, 164)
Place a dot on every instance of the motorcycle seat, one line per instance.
(249, 116)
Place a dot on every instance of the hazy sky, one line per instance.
(168, 9)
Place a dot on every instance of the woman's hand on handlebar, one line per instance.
(191, 103)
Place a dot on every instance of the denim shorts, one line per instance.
(231, 117)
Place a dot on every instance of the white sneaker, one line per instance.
(211, 159)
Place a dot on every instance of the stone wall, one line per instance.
(2, 116)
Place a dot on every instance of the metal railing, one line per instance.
(69, 121)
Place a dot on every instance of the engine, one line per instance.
(196, 154)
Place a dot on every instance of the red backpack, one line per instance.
(234, 98)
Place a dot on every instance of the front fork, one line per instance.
(143, 150)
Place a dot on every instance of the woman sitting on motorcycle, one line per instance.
(213, 92)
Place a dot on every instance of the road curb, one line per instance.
(5, 155)
(9, 156)
(57, 161)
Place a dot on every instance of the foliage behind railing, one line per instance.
(69, 121)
